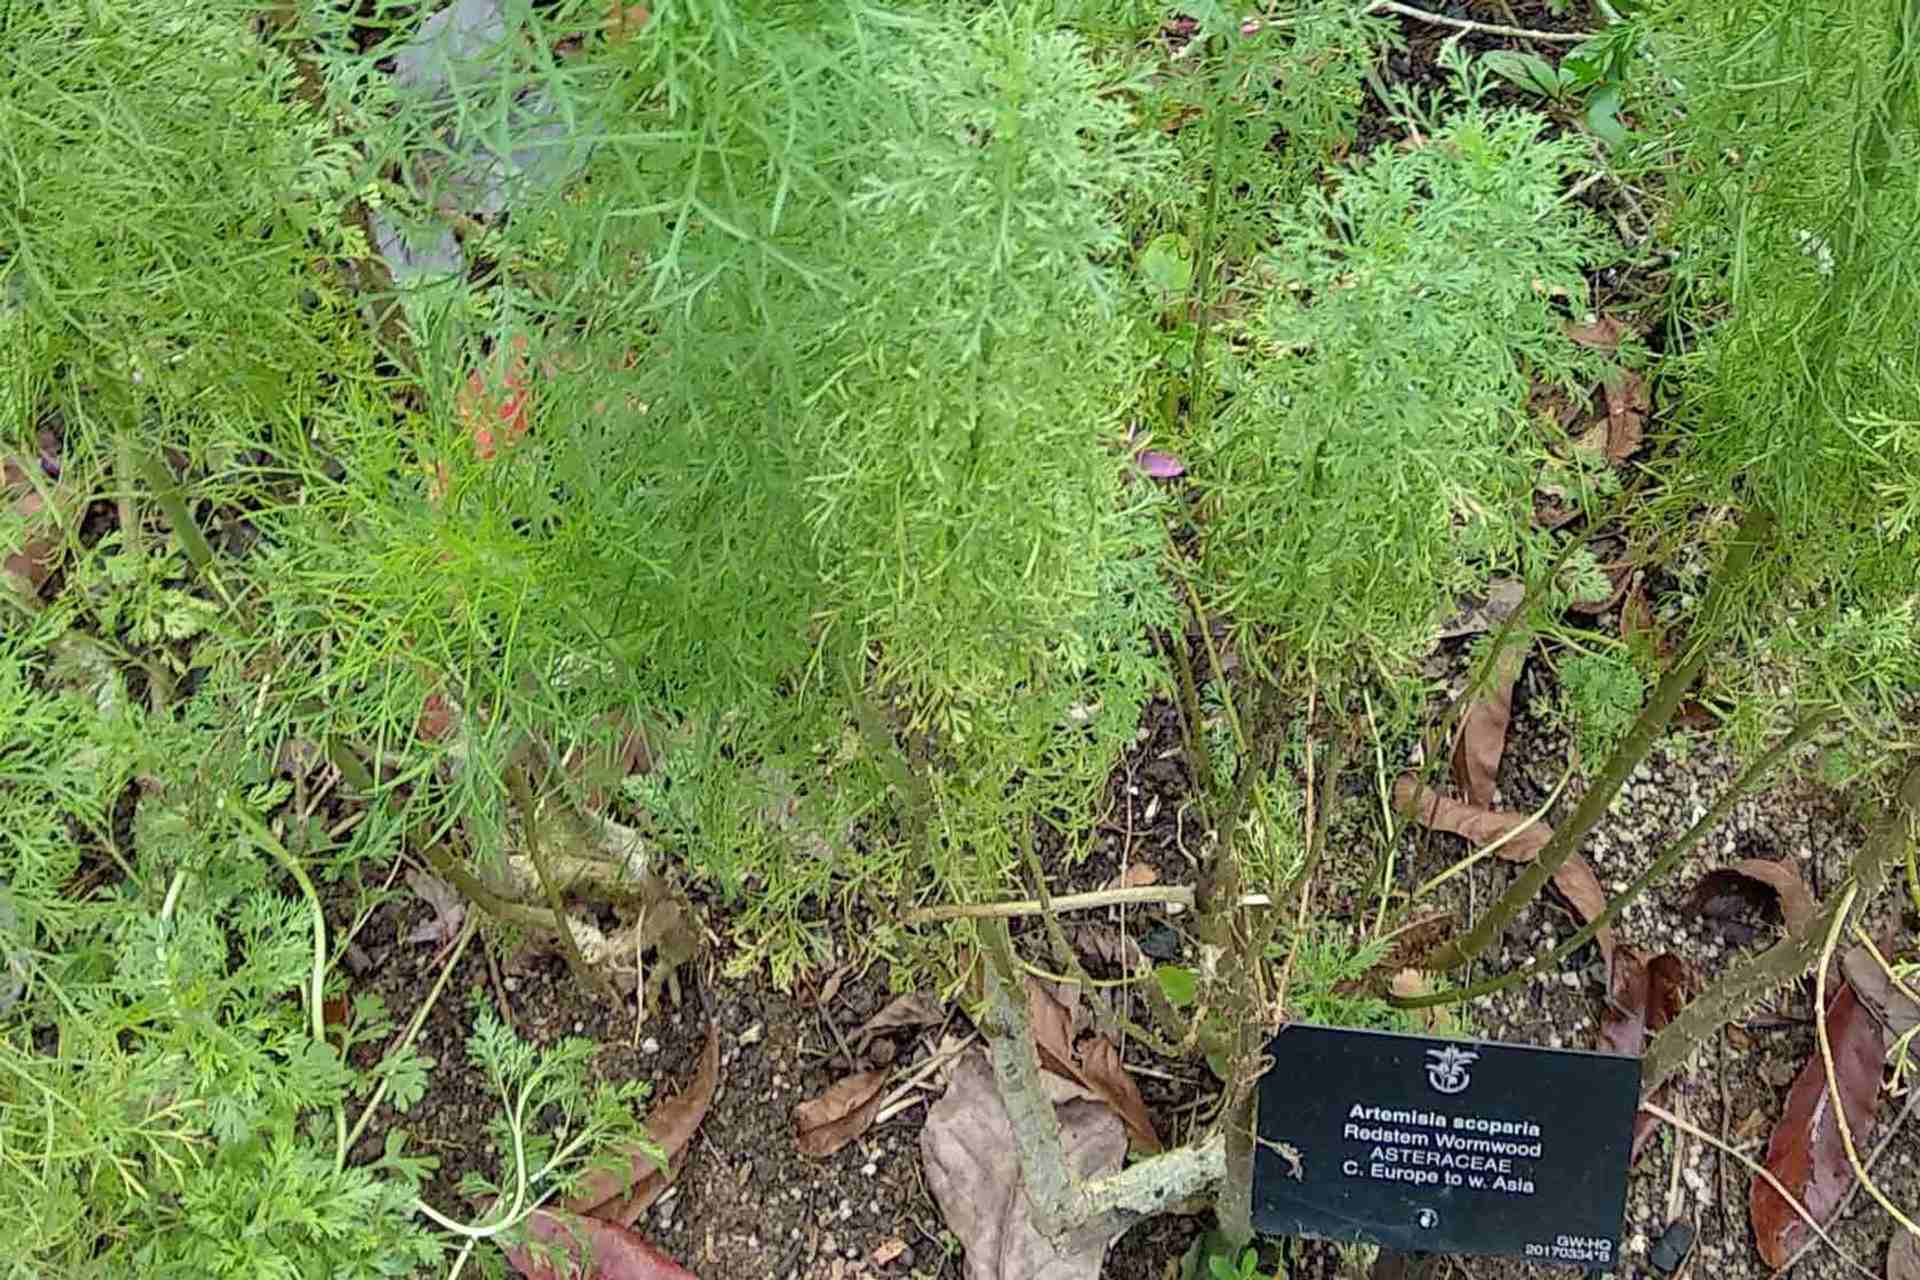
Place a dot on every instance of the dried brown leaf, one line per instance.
(1139, 875)
(449, 909)
(1576, 883)
(1903, 1255)
(595, 1250)
(1477, 615)
(1623, 1023)
(1102, 1071)
(31, 561)
(1408, 983)
(1105, 943)
(1806, 1153)
(1895, 1010)
(1482, 738)
(823, 1125)
(912, 1010)
(1602, 333)
(1628, 404)
(1750, 885)
(973, 1171)
(1474, 823)
(622, 1195)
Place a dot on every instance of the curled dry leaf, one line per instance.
(31, 561)
(1105, 943)
(1628, 404)
(449, 909)
(913, 1010)
(1476, 824)
(1644, 996)
(1138, 875)
(1806, 1153)
(1895, 1010)
(973, 1171)
(622, 1195)
(1482, 738)
(1503, 597)
(823, 1125)
(1752, 885)
(594, 1250)
(1574, 880)
(1602, 333)
(1100, 1072)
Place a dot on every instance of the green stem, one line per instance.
(1755, 529)
(537, 854)
(1668, 859)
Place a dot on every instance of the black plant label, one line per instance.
(1445, 1146)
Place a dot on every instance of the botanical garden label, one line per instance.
(1444, 1146)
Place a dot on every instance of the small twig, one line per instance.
(414, 1024)
(1833, 1077)
(1659, 1112)
(897, 1101)
(1177, 895)
(1485, 28)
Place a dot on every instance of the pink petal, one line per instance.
(1161, 466)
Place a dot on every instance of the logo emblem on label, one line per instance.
(1427, 1218)
(1447, 1073)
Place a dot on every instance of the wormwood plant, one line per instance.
(1366, 465)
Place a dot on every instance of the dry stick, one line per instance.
(1826, 1060)
(1873, 1158)
(1661, 1113)
(1178, 895)
(1668, 859)
(1788, 959)
(1485, 28)
(1755, 527)
(406, 1039)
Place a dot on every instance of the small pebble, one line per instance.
(649, 1045)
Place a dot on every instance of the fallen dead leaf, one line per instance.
(487, 405)
(1482, 738)
(1602, 333)
(1753, 885)
(594, 1250)
(1102, 1071)
(824, 1124)
(1474, 823)
(1408, 983)
(1503, 597)
(1644, 996)
(1138, 875)
(622, 1195)
(1574, 880)
(1805, 1152)
(887, 1250)
(1580, 888)
(1895, 1010)
(1099, 1072)
(1105, 943)
(436, 719)
(31, 561)
(973, 1171)
(449, 909)
(1903, 1255)
(1628, 404)
(902, 1011)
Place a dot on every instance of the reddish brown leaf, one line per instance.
(1628, 404)
(1482, 737)
(436, 718)
(823, 1125)
(1602, 333)
(973, 1171)
(1102, 1071)
(490, 406)
(32, 560)
(1805, 1152)
(1576, 883)
(1623, 1023)
(593, 1250)
(1752, 885)
(1474, 823)
(1139, 875)
(622, 1195)
(1052, 1031)
(1668, 984)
